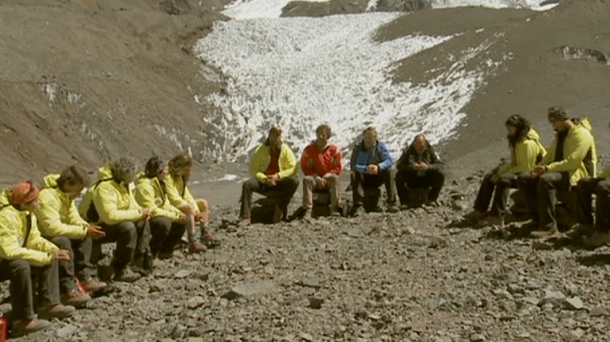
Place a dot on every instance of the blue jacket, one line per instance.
(379, 155)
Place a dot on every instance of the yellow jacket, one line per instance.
(262, 158)
(114, 202)
(57, 214)
(178, 193)
(150, 194)
(578, 147)
(525, 154)
(13, 230)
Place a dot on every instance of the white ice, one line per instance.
(302, 72)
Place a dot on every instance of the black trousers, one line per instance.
(66, 268)
(165, 235)
(498, 191)
(432, 179)
(359, 181)
(20, 274)
(601, 188)
(541, 196)
(285, 190)
(132, 241)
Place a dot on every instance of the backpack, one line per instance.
(92, 213)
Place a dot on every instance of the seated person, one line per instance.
(24, 253)
(168, 223)
(372, 166)
(273, 169)
(419, 167)
(197, 211)
(111, 205)
(322, 164)
(525, 151)
(571, 158)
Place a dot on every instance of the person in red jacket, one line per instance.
(322, 164)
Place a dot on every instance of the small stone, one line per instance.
(574, 303)
(195, 339)
(316, 302)
(311, 282)
(598, 312)
(571, 289)
(306, 337)
(182, 274)
(374, 317)
(577, 334)
(408, 231)
(477, 338)
(195, 302)
(65, 332)
(553, 297)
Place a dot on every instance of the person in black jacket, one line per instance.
(419, 167)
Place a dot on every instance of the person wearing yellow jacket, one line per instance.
(274, 171)
(600, 186)
(572, 157)
(111, 205)
(24, 253)
(525, 151)
(168, 223)
(60, 222)
(180, 170)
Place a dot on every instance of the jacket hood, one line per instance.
(141, 178)
(533, 135)
(4, 198)
(50, 181)
(104, 172)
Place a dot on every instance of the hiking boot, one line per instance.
(358, 211)
(90, 285)
(530, 226)
(473, 216)
(393, 208)
(75, 298)
(597, 239)
(22, 328)
(210, 241)
(55, 311)
(126, 275)
(165, 255)
(543, 234)
(307, 215)
(336, 212)
(196, 247)
(277, 215)
(432, 204)
(580, 230)
(245, 222)
(491, 221)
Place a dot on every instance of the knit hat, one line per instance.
(24, 193)
(154, 166)
(558, 114)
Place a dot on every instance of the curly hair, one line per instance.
(179, 163)
(326, 128)
(122, 168)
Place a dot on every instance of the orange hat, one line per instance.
(24, 193)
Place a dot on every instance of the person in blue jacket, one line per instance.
(372, 166)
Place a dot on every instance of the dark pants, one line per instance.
(601, 188)
(132, 240)
(540, 194)
(360, 181)
(66, 268)
(500, 197)
(283, 191)
(165, 235)
(20, 273)
(432, 179)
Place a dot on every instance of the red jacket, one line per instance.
(315, 162)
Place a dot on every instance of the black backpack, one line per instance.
(92, 214)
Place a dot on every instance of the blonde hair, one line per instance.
(371, 129)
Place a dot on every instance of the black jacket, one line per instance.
(410, 156)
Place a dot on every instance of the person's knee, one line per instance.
(20, 265)
(63, 242)
(128, 230)
(248, 185)
(202, 204)
(603, 187)
(332, 179)
(308, 180)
